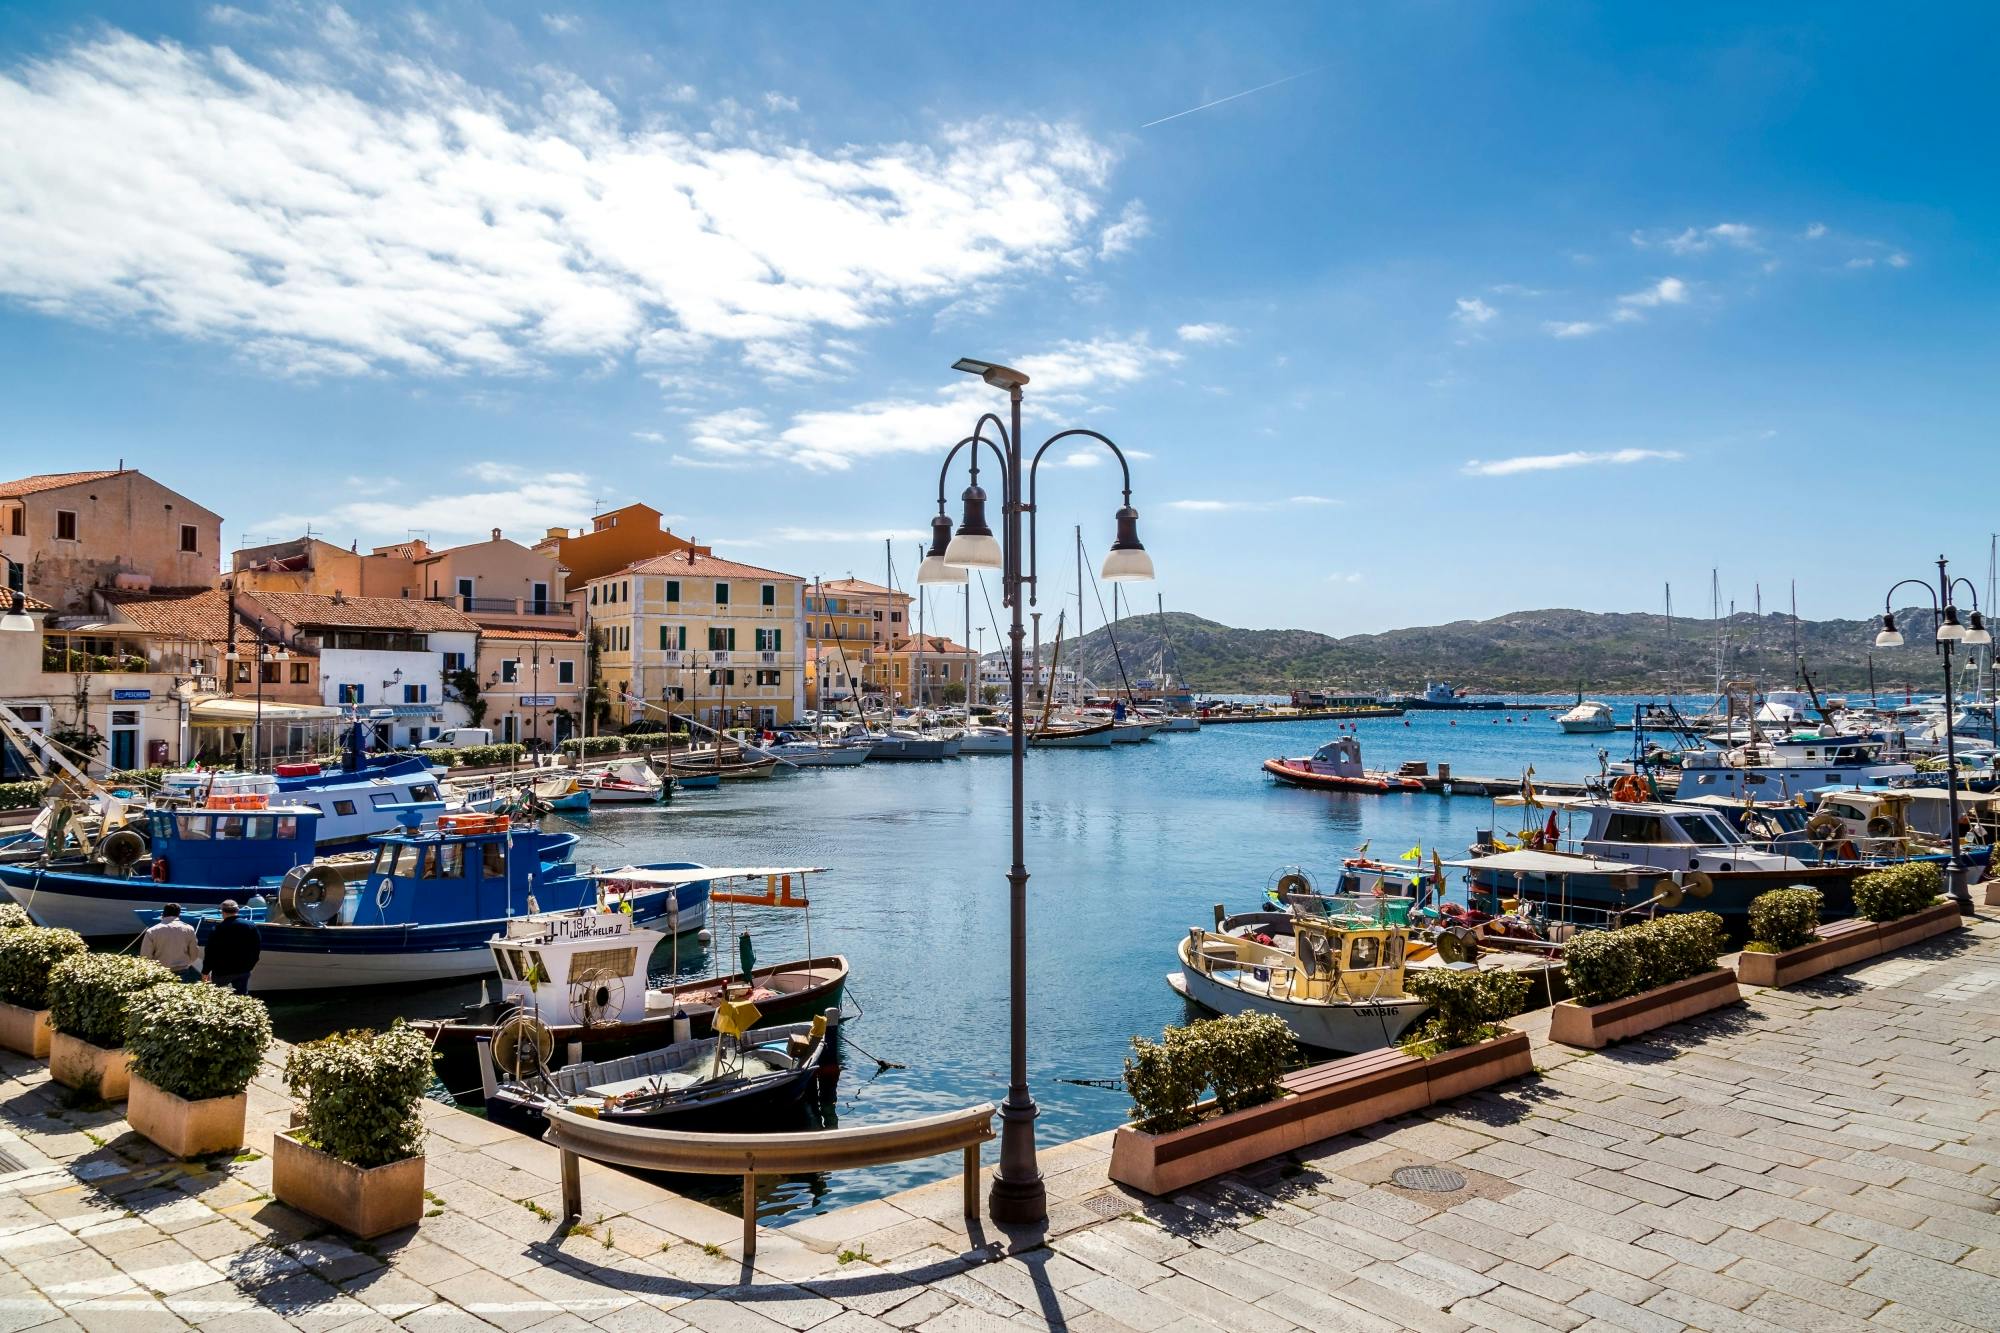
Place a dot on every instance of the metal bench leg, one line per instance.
(572, 1188)
(749, 1214)
(972, 1181)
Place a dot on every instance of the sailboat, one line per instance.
(1053, 735)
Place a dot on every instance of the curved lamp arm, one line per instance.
(976, 439)
(1969, 587)
(1034, 469)
(1921, 583)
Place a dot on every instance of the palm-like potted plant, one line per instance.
(28, 954)
(193, 1051)
(355, 1159)
(88, 996)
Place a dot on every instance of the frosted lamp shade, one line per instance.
(1950, 632)
(973, 551)
(1889, 638)
(1978, 638)
(935, 570)
(16, 622)
(1127, 566)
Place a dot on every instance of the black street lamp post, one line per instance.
(1018, 1195)
(1950, 633)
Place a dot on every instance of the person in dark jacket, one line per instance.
(233, 950)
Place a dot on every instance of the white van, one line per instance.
(458, 738)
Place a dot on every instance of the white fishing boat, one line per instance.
(985, 740)
(629, 783)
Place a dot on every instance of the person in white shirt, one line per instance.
(172, 944)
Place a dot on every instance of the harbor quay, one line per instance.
(1817, 1158)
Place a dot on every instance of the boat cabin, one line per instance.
(1343, 957)
(1781, 770)
(1657, 834)
(242, 843)
(467, 868)
(586, 967)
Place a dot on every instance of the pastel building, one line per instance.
(66, 534)
(699, 636)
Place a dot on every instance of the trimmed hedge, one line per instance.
(13, 916)
(475, 756)
(1784, 919)
(1898, 891)
(1466, 1007)
(1241, 1058)
(589, 745)
(196, 1041)
(360, 1090)
(21, 795)
(28, 955)
(88, 994)
(1607, 965)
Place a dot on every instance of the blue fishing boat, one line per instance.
(198, 858)
(426, 906)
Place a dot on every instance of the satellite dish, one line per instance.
(522, 1044)
(312, 894)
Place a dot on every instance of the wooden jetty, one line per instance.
(1298, 715)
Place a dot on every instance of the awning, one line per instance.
(368, 711)
(1551, 863)
(229, 711)
(700, 874)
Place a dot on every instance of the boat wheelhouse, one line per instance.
(1782, 770)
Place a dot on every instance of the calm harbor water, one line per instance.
(1127, 848)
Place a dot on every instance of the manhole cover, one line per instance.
(1431, 1179)
(1108, 1206)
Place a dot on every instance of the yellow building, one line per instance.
(701, 636)
(930, 669)
(856, 622)
(617, 539)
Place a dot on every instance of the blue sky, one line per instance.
(1485, 307)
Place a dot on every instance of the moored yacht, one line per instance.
(1589, 716)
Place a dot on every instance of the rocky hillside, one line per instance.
(1553, 651)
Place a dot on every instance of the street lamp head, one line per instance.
(934, 569)
(975, 546)
(1000, 377)
(1889, 636)
(1949, 630)
(1977, 635)
(1127, 560)
(17, 619)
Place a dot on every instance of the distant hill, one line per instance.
(1526, 652)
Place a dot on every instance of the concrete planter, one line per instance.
(182, 1127)
(1936, 919)
(76, 1063)
(1318, 1103)
(1596, 1026)
(363, 1202)
(24, 1030)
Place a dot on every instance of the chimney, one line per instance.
(339, 597)
(496, 534)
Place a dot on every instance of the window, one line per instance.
(1703, 830)
(343, 807)
(565, 672)
(809, 629)
(1632, 828)
(878, 615)
(453, 662)
(493, 859)
(17, 523)
(625, 638)
(376, 800)
(593, 594)
(510, 670)
(539, 597)
(722, 594)
(895, 617)
(465, 594)
(65, 525)
(267, 673)
(416, 694)
(768, 677)
(673, 590)
(770, 640)
(586, 965)
(190, 537)
(243, 673)
(770, 594)
(829, 630)
(302, 673)
(353, 694)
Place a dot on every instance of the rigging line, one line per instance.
(987, 597)
(1111, 634)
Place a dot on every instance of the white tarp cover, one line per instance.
(696, 874)
(1553, 863)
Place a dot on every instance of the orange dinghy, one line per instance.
(1336, 766)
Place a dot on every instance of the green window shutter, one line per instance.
(777, 641)
(732, 638)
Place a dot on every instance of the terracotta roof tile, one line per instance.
(690, 564)
(933, 643)
(861, 588)
(532, 635)
(191, 613)
(302, 608)
(51, 481)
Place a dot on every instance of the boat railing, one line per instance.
(1363, 909)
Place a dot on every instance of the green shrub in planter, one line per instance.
(1607, 965)
(196, 1041)
(487, 756)
(1466, 1007)
(1784, 919)
(27, 957)
(22, 795)
(1898, 891)
(359, 1091)
(89, 991)
(589, 745)
(1240, 1058)
(13, 916)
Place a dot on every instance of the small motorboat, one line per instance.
(1588, 717)
(630, 783)
(732, 763)
(815, 754)
(986, 740)
(899, 745)
(563, 792)
(1336, 766)
(734, 1081)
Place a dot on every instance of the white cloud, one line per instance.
(649, 436)
(1131, 226)
(1472, 312)
(780, 102)
(1507, 467)
(1697, 240)
(520, 501)
(1571, 328)
(1899, 260)
(1815, 231)
(1667, 291)
(417, 222)
(1862, 261)
(1205, 333)
(1343, 578)
(1245, 506)
(561, 23)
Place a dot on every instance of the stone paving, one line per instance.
(1819, 1159)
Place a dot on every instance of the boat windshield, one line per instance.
(1707, 831)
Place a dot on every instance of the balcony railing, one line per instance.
(508, 606)
(81, 654)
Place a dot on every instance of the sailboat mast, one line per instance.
(1076, 696)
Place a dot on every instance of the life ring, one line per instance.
(1628, 788)
(159, 870)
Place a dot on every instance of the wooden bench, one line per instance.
(748, 1155)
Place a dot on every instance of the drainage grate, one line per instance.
(1108, 1206)
(1430, 1179)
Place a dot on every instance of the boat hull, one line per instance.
(1086, 738)
(908, 751)
(1374, 784)
(833, 756)
(747, 1106)
(1345, 1028)
(1730, 896)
